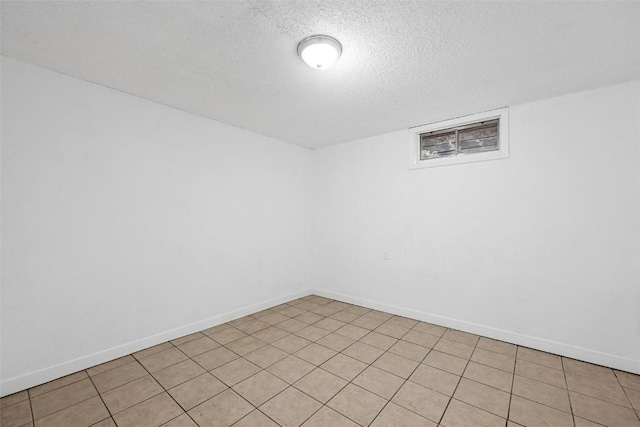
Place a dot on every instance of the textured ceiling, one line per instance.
(404, 63)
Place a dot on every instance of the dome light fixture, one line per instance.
(319, 51)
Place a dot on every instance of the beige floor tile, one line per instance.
(83, 414)
(435, 379)
(540, 373)
(410, 351)
(446, 362)
(221, 411)
(245, 345)
(634, 398)
(421, 400)
(580, 422)
(271, 334)
(602, 412)
(483, 397)
(379, 382)
(529, 413)
(273, 318)
(403, 322)
(291, 369)
(110, 423)
(367, 323)
(150, 413)
(460, 414)
(356, 309)
(116, 377)
(152, 350)
(290, 408)
(182, 421)
(227, 335)
(397, 365)
(187, 338)
(60, 382)
(461, 337)
(628, 380)
(540, 357)
(326, 310)
(291, 343)
(291, 311)
(420, 338)
(14, 398)
(357, 404)
(320, 384)
(61, 398)
(495, 360)
(121, 361)
(344, 316)
(454, 348)
(215, 358)
(335, 342)
(489, 376)
(309, 318)
(381, 341)
(234, 372)
(315, 353)
(130, 394)
(243, 319)
(496, 346)
(161, 360)
(328, 417)
(392, 330)
(380, 315)
(292, 325)
(312, 333)
(429, 328)
(611, 391)
(178, 373)
(215, 329)
(198, 346)
(396, 416)
(588, 370)
(546, 394)
(363, 352)
(193, 392)
(307, 305)
(329, 324)
(16, 415)
(260, 387)
(256, 419)
(266, 356)
(353, 332)
(344, 366)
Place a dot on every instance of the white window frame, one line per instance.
(503, 140)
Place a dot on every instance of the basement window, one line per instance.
(472, 138)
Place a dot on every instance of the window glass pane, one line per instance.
(479, 138)
(438, 145)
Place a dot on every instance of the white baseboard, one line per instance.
(41, 376)
(555, 347)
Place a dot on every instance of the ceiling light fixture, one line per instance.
(319, 51)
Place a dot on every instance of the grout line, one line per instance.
(564, 374)
(513, 380)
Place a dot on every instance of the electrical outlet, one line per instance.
(385, 255)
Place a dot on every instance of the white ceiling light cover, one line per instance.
(319, 51)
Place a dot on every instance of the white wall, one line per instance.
(125, 222)
(541, 249)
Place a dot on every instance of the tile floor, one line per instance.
(318, 362)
